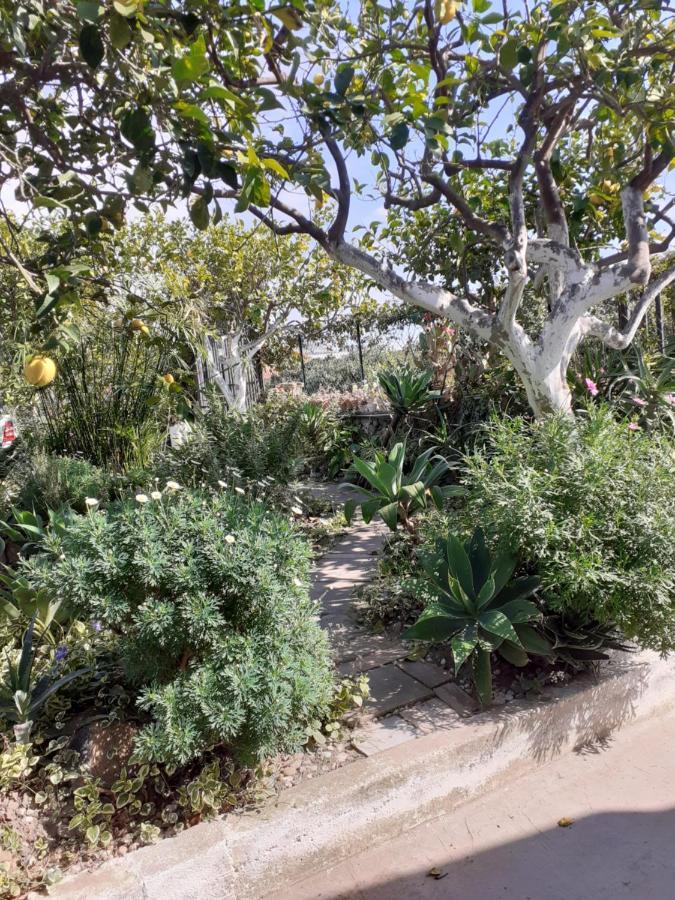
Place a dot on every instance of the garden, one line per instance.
(173, 444)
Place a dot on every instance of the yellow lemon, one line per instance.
(137, 325)
(168, 378)
(145, 330)
(40, 371)
(446, 10)
(318, 79)
(289, 17)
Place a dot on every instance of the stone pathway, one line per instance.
(407, 699)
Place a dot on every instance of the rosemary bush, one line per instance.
(589, 506)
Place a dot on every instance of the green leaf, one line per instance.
(343, 79)
(460, 566)
(398, 136)
(486, 593)
(434, 625)
(480, 559)
(350, 508)
(389, 515)
(53, 282)
(43, 694)
(120, 31)
(91, 46)
(89, 10)
(533, 642)
(517, 611)
(92, 834)
(199, 213)
(502, 571)
(491, 18)
(369, 508)
(495, 622)
(367, 470)
(462, 648)
(513, 654)
(521, 587)
(508, 54)
(275, 167)
(227, 172)
(482, 677)
(269, 100)
(126, 7)
(136, 127)
(193, 64)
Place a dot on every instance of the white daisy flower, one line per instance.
(91, 502)
(173, 486)
(297, 582)
(296, 510)
(230, 539)
(240, 490)
(142, 498)
(156, 495)
(222, 484)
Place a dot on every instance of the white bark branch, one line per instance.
(592, 326)
(428, 296)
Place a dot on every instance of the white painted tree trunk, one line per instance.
(226, 353)
(575, 287)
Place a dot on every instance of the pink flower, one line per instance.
(633, 426)
(592, 387)
(638, 401)
(671, 398)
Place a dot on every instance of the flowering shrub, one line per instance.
(207, 598)
(589, 504)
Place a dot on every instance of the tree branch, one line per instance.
(494, 231)
(429, 296)
(594, 327)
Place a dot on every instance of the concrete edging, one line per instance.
(320, 822)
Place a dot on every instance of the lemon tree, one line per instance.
(288, 110)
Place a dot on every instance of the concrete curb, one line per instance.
(320, 822)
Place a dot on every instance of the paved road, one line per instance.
(507, 845)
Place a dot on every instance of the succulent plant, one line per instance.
(396, 495)
(480, 608)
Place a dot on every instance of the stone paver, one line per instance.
(380, 657)
(425, 672)
(418, 690)
(457, 699)
(390, 689)
(430, 716)
(383, 735)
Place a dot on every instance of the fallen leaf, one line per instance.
(436, 873)
(565, 822)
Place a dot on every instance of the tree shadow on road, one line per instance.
(607, 856)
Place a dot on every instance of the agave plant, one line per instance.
(578, 641)
(396, 495)
(479, 609)
(20, 697)
(406, 390)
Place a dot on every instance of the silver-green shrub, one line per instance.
(588, 505)
(207, 598)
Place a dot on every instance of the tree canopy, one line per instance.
(543, 129)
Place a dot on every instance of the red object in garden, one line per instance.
(8, 433)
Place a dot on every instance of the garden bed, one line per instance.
(321, 820)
